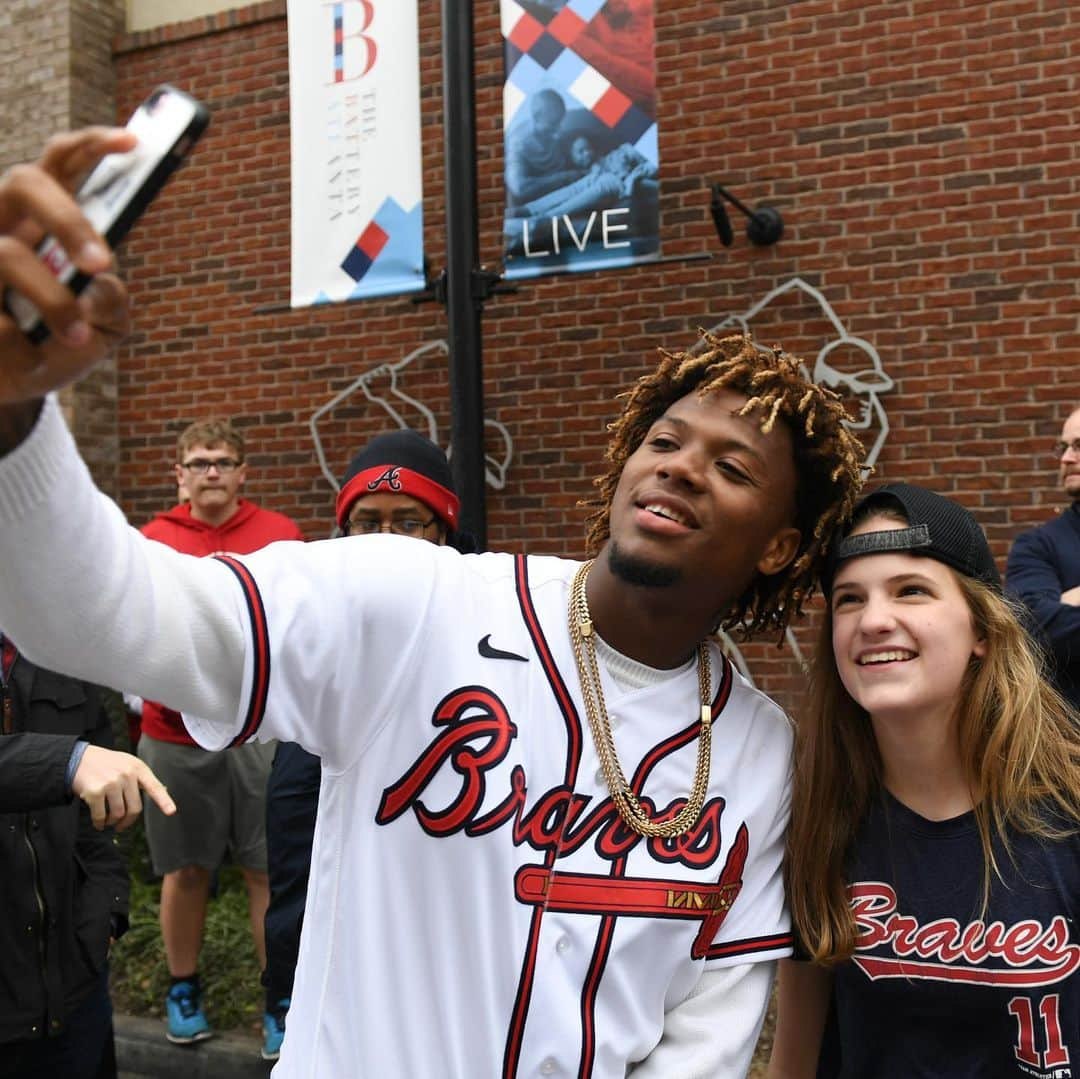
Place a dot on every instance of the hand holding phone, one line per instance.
(35, 199)
(119, 189)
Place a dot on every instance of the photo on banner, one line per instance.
(580, 136)
(357, 193)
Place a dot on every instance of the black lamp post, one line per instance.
(465, 284)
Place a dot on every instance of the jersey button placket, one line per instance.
(550, 1066)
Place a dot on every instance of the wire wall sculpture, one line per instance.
(393, 403)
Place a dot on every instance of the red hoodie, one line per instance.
(248, 529)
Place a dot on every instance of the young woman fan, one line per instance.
(934, 854)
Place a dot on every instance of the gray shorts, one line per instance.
(220, 805)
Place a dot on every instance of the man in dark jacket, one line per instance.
(1043, 570)
(63, 883)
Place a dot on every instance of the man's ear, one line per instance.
(779, 551)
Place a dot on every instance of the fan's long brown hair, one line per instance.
(827, 457)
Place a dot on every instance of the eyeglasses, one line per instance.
(400, 526)
(201, 465)
(1060, 448)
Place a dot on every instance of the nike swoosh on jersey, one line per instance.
(489, 651)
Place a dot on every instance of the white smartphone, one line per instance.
(120, 188)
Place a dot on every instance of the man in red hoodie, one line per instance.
(222, 796)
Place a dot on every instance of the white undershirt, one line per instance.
(628, 674)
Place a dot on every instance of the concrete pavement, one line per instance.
(142, 1052)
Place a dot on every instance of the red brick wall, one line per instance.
(61, 75)
(924, 156)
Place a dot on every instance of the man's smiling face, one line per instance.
(706, 501)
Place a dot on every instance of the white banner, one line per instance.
(354, 87)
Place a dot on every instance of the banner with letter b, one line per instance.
(354, 87)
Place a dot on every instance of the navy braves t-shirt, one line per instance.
(939, 988)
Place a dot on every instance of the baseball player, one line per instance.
(551, 821)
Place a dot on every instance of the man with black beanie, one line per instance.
(400, 482)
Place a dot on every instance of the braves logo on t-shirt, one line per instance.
(895, 945)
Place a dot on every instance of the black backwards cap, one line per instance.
(400, 462)
(938, 528)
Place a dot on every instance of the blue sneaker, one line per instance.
(274, 1030)
(187, 1022)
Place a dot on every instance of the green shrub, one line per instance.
(228, 969)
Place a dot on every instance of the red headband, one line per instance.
(397, 480)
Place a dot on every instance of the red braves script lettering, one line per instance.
(476, 737)
(1026, 953)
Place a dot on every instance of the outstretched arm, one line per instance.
(36, 200)
(82, 592)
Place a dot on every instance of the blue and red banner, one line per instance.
(354, 86)
(579, 127)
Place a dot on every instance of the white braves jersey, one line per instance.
(476, 907)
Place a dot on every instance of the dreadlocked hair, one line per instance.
(827, 458)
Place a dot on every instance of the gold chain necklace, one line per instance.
(622, 795)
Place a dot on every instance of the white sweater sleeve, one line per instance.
(84, 593)
(712, 1034)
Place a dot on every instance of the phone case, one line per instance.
(121, 187)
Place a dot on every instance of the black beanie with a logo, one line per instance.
(401, 462)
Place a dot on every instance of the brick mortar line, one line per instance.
(202, 26)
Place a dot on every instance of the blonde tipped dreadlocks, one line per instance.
(827, 457)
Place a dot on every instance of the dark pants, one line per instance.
(292, 797)
(85, 1049)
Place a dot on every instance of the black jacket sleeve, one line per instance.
(33, 771)
(1036, 573)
